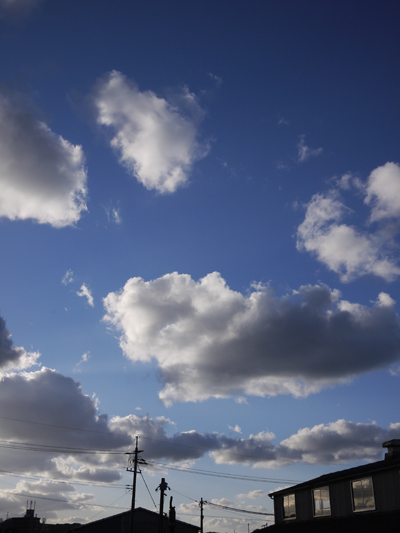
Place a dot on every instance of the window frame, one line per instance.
(325, 512)
(364, 508)
(289, 496)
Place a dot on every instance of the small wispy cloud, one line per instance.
(85, 291)
(241, 399)
(68, 277)
(283, 121)
(253, 494)
(236, 429)
(217, 79)
(84, 359)
(281, 165)
(113, 214)
(304, 152)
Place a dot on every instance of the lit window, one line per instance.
(289, 506)
(363, 495)
(322, 504)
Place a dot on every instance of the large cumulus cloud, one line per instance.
(42, 175)
(210, 341)
(156, 139)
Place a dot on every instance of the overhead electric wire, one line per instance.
(28, 446)
(141, 436)
(54, 425)
(35, 496)
(32, 447)
(227, 508)
(212, 473)
(184, 495)
(155, 505)
(71, 482)
(109, 507)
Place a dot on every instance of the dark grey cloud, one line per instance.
(337, 442)
(57, 414)
(210, 341)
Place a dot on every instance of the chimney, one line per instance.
(393, 447)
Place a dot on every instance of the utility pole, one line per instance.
(172, 516)
(201, 504)
(163, 486)
(134, 461)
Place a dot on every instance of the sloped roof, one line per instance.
(326, 479)
(137, 510)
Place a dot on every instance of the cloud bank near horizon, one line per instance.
(211, 341)
(67, 422)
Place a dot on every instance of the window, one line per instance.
(289, 506)
(322, 504)
(363, 495)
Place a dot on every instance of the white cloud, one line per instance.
(156, 140)
(236, 429)
(304, 152)
(86, 293)
(253, 494)
(51, 497)
(42, 176)
(12, 357)
(347, 250)
(337, 442)
(68, 277)
(383, 192)
(210, 341)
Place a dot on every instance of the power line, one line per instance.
(223, 475)
(109, 507)
(167, 442)
(56, 426)
(32, 447)
(71, 482)
(225, 507)
(35, 496)
(152, 499)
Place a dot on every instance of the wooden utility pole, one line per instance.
(163, 486)
(134, 461)
(201, 504)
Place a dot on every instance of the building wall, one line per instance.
(386, 492)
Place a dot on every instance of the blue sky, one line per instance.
(200, 219)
